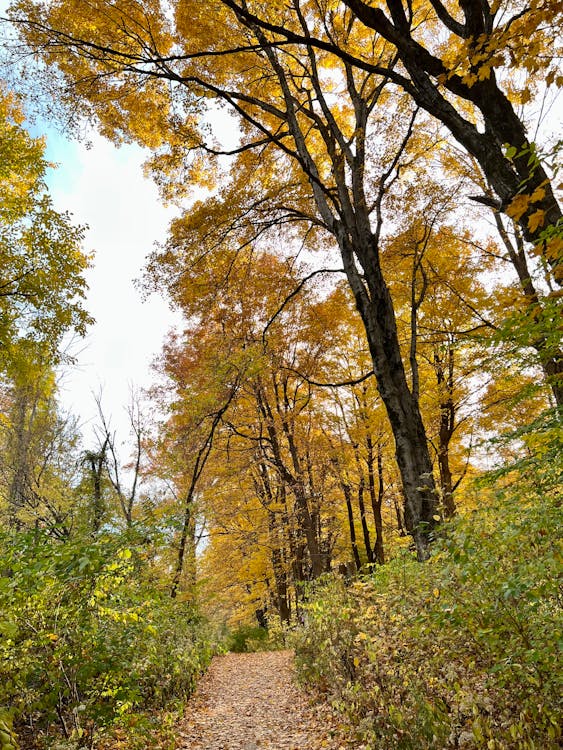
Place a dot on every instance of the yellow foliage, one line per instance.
(536, 220)
(538, 194)
(518, 206)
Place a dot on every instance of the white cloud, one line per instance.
(104, 188)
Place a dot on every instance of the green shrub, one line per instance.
(462, 652)
(247, 638)
(85, 642)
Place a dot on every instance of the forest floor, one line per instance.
(252, 702)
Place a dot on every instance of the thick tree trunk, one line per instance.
(413, 457)
(502, 125)
(351, 226)
(97, 463)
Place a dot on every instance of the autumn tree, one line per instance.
(308, 85)
(42, 286)
(39, 448)
(450, 61)
(356, 433)
(265, 440)
(447, 319)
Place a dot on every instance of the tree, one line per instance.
(310, 85)
(39, 446)
(323, 146)
(41, 264)
(448, 67)
(264, 437)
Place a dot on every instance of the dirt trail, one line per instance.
(251, 702)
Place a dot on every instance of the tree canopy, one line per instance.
(368, 268)
(42, 285)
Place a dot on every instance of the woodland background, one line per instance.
(353, 442)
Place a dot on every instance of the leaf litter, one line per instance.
(252, 702)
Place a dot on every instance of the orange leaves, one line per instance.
(518, 206)
(474, 59)
(554, 248)
(528, 41)
(553, 77)
(536, 220)
(538, 194)
(523, 202)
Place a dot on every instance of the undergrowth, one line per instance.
(463, 651)
(90, 648)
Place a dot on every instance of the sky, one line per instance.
(104, 188)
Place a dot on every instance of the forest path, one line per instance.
(251, 702)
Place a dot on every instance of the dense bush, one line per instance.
(247, 638)
(86, 639)
(463, 651)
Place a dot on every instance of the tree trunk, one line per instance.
(413, 457)
(444, 377)
(363, 520)
(351, 527)
(508, 177)
(549, 354)
(281, 598)
(294, 480)
(377, 502)
(398, 514)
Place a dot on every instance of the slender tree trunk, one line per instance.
(353, 543)
(281, 600)
(444, 376)
(307, 525)
(294, 478)
(399, 516)
(20, 459)
(377, 502)
(363, 521)
(187, 541)
(549, 355)
(188, 525)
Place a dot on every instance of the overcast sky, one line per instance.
(104, 188)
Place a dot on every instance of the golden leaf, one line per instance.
(469, 79)
(537, 195)
(536, 220)
(518, 206)
(554, 248)
(484, 72)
